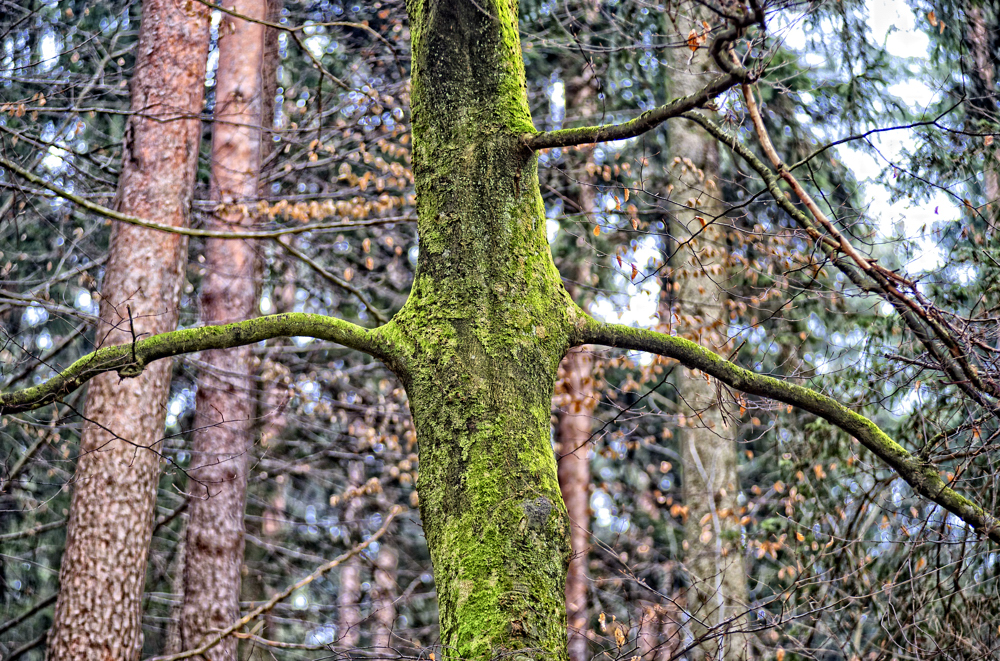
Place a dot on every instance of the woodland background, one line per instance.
(842, 561)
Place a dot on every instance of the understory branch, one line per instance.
(129, 360)
(104, 211)
(284, 594)
(920, 475)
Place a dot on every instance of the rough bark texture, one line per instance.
(111, 513)
(713, 557)
(481, 337)
(575, 423)
(224, 405)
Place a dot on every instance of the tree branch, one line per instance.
(920, 475)
(129, 360)
(645, 122)
(187, 231)
(733, 72)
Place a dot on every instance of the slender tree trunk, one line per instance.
(713, 558)
(576, 399)
(225, 403)
(979, 38)
(385, 606)
(111, 513)
(350, 576)
(574, 429)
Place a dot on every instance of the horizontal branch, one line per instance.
(102, 210)
(635, 127)
(129, 360)
(920, 475)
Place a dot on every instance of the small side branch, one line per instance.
(129, 360)
(104, 211)
(635, 127)
(920, 475)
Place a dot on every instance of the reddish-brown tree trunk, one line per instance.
(576, 390)
(111, 513)
(225, 403)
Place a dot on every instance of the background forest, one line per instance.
(816, 551)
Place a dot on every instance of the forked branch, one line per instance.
(920, 475)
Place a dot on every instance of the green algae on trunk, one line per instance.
(482, 335)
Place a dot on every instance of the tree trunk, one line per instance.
(574, 480)
(979, 39)
(225, 403)
(481, 337)
(111, 513)
(385, 605)
(713, 558)
(350, 575)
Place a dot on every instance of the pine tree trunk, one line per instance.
(111, 513)
(225, 402)
(713, 558)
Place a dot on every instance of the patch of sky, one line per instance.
(50, 47)
(323, 635)
(44, 340)
(179, 404)
(34, 314)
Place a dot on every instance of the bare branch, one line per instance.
(186, 231)
(634, 127)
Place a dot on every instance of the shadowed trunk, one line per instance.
(111, 514)
(225, 403)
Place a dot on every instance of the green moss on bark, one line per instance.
(482, 334)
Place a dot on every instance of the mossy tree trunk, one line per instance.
(481, 338)
(477, 346)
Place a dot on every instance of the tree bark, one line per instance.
(713, 558)
(384, 602)
(575, 422)
(481, 337)
(224, 405)
(350, 575)
(103, 568)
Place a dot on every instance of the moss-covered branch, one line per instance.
(920, 475)
(634, 127)
(129, 360)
